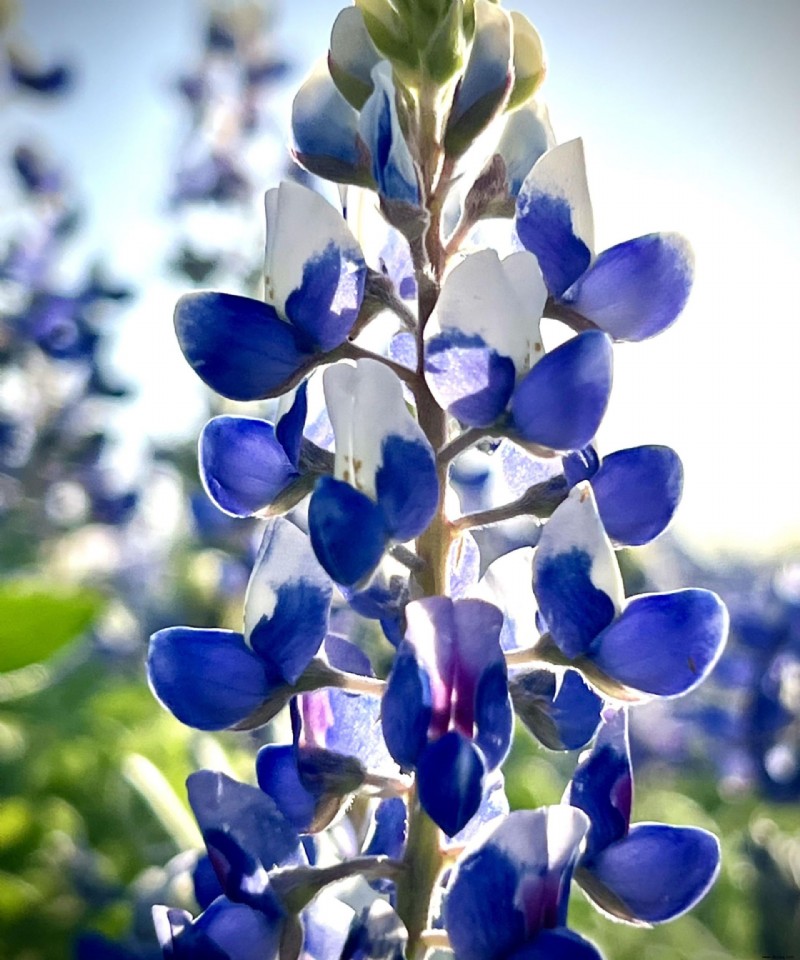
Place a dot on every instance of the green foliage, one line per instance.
(39, 619)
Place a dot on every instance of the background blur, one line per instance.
(146, 186)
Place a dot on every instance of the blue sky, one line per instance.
(690, 117)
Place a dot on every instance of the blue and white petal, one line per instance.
(655, 874)
(484, 334)
(243, 466)
(561, 402)
(287, 602)
(636, 289)
(663, 644)
(245, 833)
(602, 785)
(325, 129)
(526, 137)
(577, 581)
(514, 884)
(380, 448)
(314, 271)
(393, 167)
(224, 931)
(238, 346)
(209, 679)
(638, 491)
(554, 216)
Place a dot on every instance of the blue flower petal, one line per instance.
(602, 785)
(637, 492)
(494, 717)
(287, 602)
(238, 346)
(279, 778)
(562, 716)
(653, 875)
(450, 775)
(581, 465)
(480, 911)
(389, 836)
(245, 834)
(224, 931)
(289, 428)
(558, 944)
(407, 486)
(347, 530)
(209, 679)
(406, 709)
(663, 643)
(561, 402)
(471, 380)
(636, 289)
(243, 466)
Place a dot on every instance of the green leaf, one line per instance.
(37, 619)
(529, 66)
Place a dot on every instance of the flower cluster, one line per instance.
(439, 548)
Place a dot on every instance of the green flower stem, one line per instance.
(423, 863)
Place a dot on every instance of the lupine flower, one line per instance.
(660, 644)
(508, 897)
(247, 349)
(212, 679)
(384, 488)
(643, 873)
(446, 711)
(633, 290)
(484, 356)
